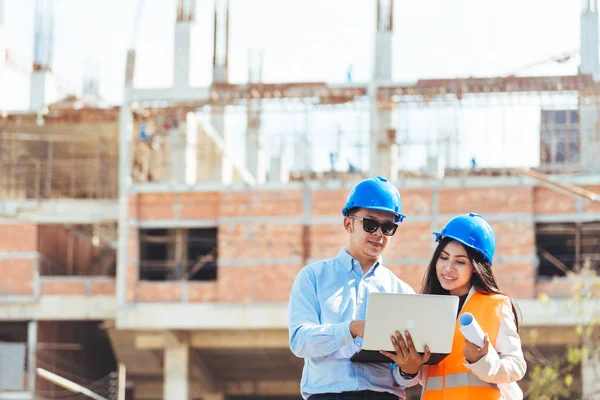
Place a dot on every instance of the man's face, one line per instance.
(369, 244)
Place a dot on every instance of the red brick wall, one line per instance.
(243, 242)
(18, 270)
(588, 206)
(547, 201)
(262, 244)
(485, 201)
(79, 286)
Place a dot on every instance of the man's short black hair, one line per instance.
(352, 211)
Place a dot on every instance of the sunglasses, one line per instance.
(371, 226)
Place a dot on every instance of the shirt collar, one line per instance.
(348, 261)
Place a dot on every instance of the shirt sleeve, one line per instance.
(504, 363)
(405, 382)
(308, 337)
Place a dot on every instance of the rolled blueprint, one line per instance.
(474, 334)
(471, 329)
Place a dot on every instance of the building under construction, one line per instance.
(143, 252)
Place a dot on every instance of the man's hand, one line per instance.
(473, 353)
(357, 328)
(407, 357)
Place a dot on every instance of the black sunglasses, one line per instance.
(371, 226)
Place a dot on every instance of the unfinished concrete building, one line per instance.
(134, 236)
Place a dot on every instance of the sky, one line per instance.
(316, 40)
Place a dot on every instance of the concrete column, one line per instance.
(181, 53)
(2, 56)
(383, 56)
(184, 25)
(590, 64)
(278, 172)
(255, 151)
(221, 41)
(383, 149)
(184, 151)
(225, 167)
(213, 396)
(176, 370)
(125, 138)
(32, 335)
(191, 152)
(42, 91)
(589, 107)
(590, 378)
(221, 75)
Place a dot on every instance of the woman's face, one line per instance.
(454, 269)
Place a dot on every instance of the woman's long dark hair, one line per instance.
(483, 278)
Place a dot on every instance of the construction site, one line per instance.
(147, 254)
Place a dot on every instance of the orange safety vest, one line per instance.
(450, 379)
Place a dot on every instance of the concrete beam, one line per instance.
(152, 388)
(263, 388)
(419, 183)
(188, 316)
(263, 339)
(227, 316)
(549, 336)
(336, 219)
(558, 312)
(61, 308)
(279, 338)
(59, 211)
(149, 341)
(15, 396)
(175, 338)
(150, 96)
(224, 339)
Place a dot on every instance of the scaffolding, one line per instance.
(53, 166)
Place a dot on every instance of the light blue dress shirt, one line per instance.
(325, 298)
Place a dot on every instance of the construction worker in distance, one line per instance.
(328, 303)
(462, 266)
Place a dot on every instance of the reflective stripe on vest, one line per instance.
(434, 383)
(456, 380)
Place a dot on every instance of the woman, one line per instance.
(462, 266)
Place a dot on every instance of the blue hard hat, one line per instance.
(375, 194)
(473, 231)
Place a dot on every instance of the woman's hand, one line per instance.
(473, 353)
(407, 357)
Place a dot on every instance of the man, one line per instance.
(328, 303)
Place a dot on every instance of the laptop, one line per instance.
(429, 318)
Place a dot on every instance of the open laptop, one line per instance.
(430, 319)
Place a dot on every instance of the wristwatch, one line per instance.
(404, 375)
